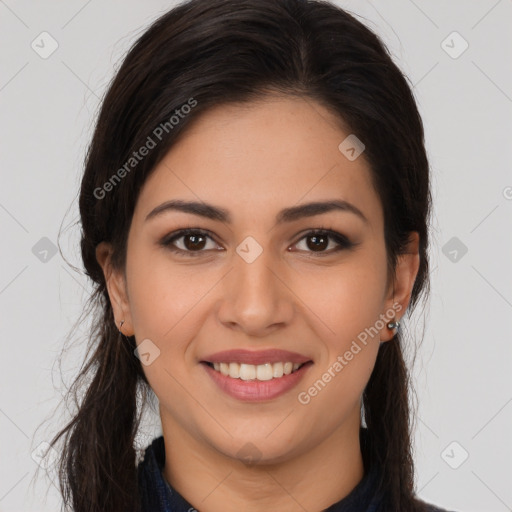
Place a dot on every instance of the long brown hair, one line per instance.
(216, 52)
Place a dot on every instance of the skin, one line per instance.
(254, 160)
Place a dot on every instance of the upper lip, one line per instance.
(256, 357)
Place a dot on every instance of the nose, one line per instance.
(256, 297)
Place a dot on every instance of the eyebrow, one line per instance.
(286, 215)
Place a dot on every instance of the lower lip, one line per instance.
(257, 390)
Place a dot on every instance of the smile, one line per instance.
(256, 376)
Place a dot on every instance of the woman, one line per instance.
(255, 209)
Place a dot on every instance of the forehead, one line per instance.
(259, 157)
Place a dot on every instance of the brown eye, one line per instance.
(194, 242)
(318, 241)
(189, 242)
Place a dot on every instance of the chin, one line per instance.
(258, 448)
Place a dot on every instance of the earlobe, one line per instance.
(407, 267)
(116, 287)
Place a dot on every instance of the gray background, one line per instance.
(463, 366)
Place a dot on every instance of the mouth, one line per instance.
(256, 376)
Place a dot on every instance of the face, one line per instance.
(262, 285)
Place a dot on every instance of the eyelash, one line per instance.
(342, 241)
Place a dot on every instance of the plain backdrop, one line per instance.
(457, 55)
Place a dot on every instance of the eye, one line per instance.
(318, 240)
(195, 242)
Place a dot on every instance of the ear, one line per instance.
(401, 285)
(116, 287)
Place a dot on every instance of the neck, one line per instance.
(213, 482)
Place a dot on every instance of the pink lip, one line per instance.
(255, 390)
(256, 357)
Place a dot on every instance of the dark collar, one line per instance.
(158, 496)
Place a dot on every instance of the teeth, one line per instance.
(247, 371)
(277, 370)
(267, 371)
(264, 372)
(234, 370)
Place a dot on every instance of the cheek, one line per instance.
(349, 299)
(163, 297)
(164, 308)
(349, 305)
(351, 342)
